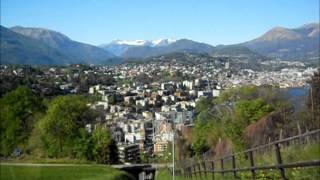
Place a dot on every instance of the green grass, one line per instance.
(296, 173)
(289, 154)
(165, 174)
(77, 172)
(36, 160)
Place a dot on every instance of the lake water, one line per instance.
(298, 92)
(298, 96)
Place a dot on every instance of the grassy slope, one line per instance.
(61, 173)
(289, 154)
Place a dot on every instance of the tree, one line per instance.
(235, 94)
(251, 111)
(314, 100)
(62, 124)
(206, 135)
(104, 147)
(19, 110)
(83, 145)
(246, 113)
(203, 104)
(112, 99)
(183, 147)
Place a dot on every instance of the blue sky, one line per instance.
(210, 21)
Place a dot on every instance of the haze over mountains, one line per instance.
(21, 45)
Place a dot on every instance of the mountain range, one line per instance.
(20, 49)
(118, 47)
(24, 45)
(20, 45)
(290, 44)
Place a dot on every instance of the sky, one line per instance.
(210, 21)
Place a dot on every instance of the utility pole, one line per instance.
(173, 137)
(153, 141)
(173, 149)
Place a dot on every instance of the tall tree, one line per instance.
(314, 99)
(104, 148)
(66, 116)
(18, 110)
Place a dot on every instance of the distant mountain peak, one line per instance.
(163, 42)
(130, 42)
(309, 25)
(36, 32)
(43, 46)
(309, 30)
(299, 43)
(279, 33)
(151, 43)
(76, 51)
(118, 47)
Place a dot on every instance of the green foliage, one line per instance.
(251, 111)
(203, 117)
(83, 145)
(247, 112)
(63, 123)
(19, 110)
(112, 99)
(235, 94)
(234, 130)
(212, 124)
(314, 100)
(125, 81)
(104, 148)
(204, 104)
(167, 154)
(183, 147)
(60, 133)
(144, 156)
(206, 133)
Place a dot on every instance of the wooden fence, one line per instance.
(205, 167)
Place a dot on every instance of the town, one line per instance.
(143, 104)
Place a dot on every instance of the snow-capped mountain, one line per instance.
(118, 47)
(163, 42)
(158, 42)
(131, 43)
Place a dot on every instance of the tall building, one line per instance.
(129, 153)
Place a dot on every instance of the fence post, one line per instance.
(222, 168)
(185, 172)
(204, 168)
(279, 161)
(199, 168)
(234, 167)
(253, 172)
(212, 168)
(195, 171)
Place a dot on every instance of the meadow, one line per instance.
(61, 172)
